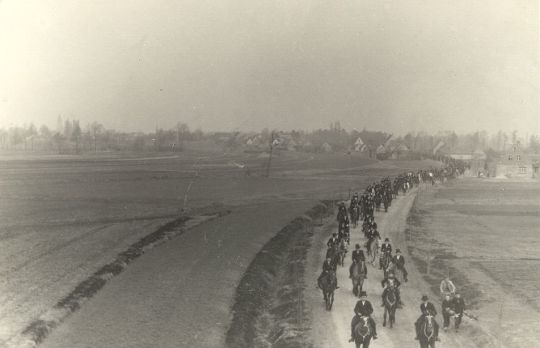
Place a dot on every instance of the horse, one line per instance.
(359, 271)
(355, 214)
(373, 249)
(345, 234)
(385, 261)
(333, 254)
(342, 252)
(390, 305)
(378, 201)
(427, 332)
(391, 268)
(362, 333)
(398, 272)
(328, 285)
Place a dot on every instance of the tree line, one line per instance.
(70, 137)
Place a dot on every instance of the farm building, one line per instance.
(399, 151)
(514, 163)
(359, 145)
(326, 147)
(381, 152)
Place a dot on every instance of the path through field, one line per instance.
(332, 329)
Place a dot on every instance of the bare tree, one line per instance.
(96, 129)
(76, 134)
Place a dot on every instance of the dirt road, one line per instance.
(332, 329)
(179, 294)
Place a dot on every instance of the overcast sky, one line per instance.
(430, 65)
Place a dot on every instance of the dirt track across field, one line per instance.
(332, 329)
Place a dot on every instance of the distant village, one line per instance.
(488, 155)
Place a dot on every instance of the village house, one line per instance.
(399, 151)
(515, 163)
(326, 147)
(359, 145)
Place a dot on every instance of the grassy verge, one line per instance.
(269, 306)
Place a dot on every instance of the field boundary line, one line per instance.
(38, 330)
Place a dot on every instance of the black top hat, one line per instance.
(398, 251)
(424, 298)
(386, 239)
(363, 294)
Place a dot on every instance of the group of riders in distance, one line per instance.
(362, 207)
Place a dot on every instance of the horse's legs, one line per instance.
(366, 342)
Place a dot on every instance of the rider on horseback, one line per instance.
(447, 311)
(358, 254)
(399, 261)
(427, 308)
(344, 232)
(391, 283)
(386, 246)
(390, 277)
(357, 257)
(354, 199)
(447, 287)
(363, 308)
(459, 308)
(386, 250)
(327, 267)
(333, 241)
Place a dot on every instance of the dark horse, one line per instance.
(359, 272)
(333, 254)
(328, 284)
(355, 214)
(342, 251)
(390, 305)
(362, 333)
(427, 332)
(385, 261)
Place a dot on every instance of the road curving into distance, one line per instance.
(332, 329)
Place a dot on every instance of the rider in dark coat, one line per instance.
(399, 261)
(427, 308)
(334, 240)
(386, 249)
(447, 311)
(358, 254)
(391, 281)
(386, 246)
(459, 308)
(363, 308)
(328, 266)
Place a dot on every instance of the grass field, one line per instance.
(61, 218)
(486, 234)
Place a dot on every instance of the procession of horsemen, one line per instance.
(382, 256)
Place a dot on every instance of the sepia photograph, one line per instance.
(269, 173)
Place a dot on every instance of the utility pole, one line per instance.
(270, 157)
